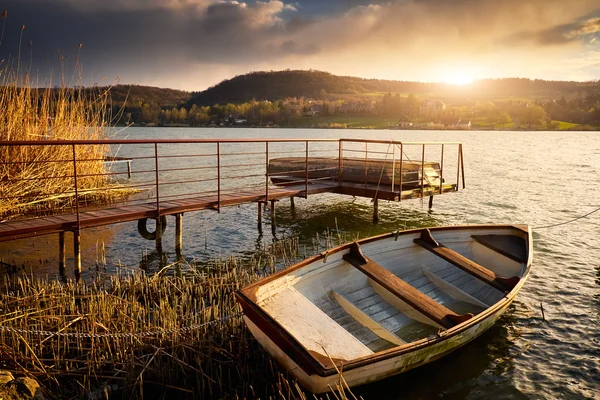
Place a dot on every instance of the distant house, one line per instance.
(435, 125)
(314, 110)
(404, 122)
(239, 119)
(432, 108)
(462, 125)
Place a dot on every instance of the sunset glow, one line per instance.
(460, 79)
(194, 44)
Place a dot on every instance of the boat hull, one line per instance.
(289, 313)
(386, 368)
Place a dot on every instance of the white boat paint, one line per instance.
(326, 312)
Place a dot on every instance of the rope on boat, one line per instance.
(567, 222)
(116, 335)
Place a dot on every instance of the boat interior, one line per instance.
(379, 294)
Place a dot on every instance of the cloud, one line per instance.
(404, 39)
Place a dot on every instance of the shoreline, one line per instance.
(476, 129)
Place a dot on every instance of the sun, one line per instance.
(459, 78)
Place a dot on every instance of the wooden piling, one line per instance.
(292, 205)
(62, 258)
(77, 252)
(259, 216)
(375, 209)
(273, 212)
(430, 202)
(159, 232)
(178, 233)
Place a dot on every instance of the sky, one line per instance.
(194, 44)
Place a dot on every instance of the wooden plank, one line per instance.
(510, 246)
(407, 293)
(365, 320)
(311, 327)
(453, 291)
(485, 275)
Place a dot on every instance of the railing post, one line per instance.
(157, 183)
(423, 171)
(401, 169)
(76, 232)
(159, 227)
(75, 184)
(366, 163)
(458, 169)
(393, 165)
(462, 167)
(340, 155)
(306, 172)
(266, 171)
(219, 176)
(442, 171)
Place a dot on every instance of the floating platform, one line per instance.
(394, 175)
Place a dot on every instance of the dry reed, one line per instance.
(134, 335)
(38, 178)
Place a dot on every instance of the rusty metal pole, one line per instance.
(458, 169)
(442, 171)
(76, 232)
(159, 227)
(423, 172)
(401, 169)
(306, 173)
(218, 177)
(462, 166)
(340, 155)
(393, 165)
(266, 172)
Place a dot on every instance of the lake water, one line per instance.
(535, 178)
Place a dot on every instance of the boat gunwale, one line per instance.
(323, 366)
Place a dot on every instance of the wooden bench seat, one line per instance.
(510, 246)
(428, 242)
(404, 291)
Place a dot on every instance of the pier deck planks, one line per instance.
(89, 218)
(18, 229)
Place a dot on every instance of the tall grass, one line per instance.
(38, 177)
(171, 335)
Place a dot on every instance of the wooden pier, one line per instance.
(173, 177)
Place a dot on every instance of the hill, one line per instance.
(276, 85)
(134, 94)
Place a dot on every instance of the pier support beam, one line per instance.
(178, 234)
(77, 252)
(273, 211)
(430, 202)
(375, 209)
(259, 216)
(292, 205)
(159, 232)
(62, 258)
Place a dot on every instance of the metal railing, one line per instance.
(54, 177)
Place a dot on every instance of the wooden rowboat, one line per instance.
(383, 305)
